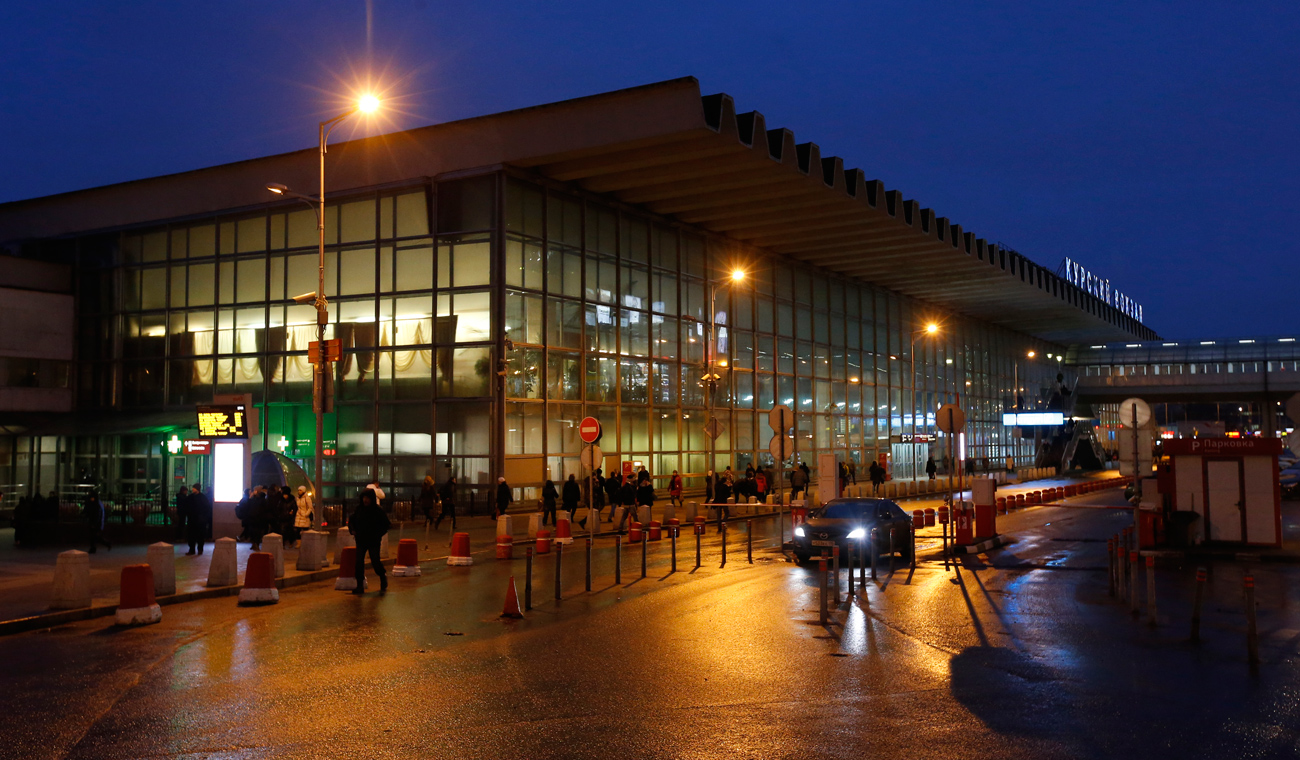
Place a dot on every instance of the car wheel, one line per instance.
(801, 559)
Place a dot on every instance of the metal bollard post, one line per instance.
(1196, 604)
(1135, 598)
(528, 578)
(891, 551)
(1110, 566)
(835, 576)
(645, 537)
(872, 549)
(618, 559)
(724, 545)
(1151, 589)
(672, 534)
(749, 540)
(697, 550)
(559, 562)
(1252, 633)
(588, 564)
(1122, 569)
(821, 570)
(912, 534)
(851, 590)
(862, 567)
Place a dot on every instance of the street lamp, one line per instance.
(931, 328)
(366, 104)
(711, 377)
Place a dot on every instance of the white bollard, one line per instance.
(343, 541)
(643, 516)
(534, 525)
(310, 550)
(71, 581)
(691, 511)
(670, 512)
(616, 514)
(162, 561)
(224, 570)
(506, 525)
(383, 547)
(273, 544)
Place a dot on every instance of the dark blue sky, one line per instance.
(1155, 142)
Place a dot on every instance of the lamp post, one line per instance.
(367, 104)
(930, 329)
(711, 376)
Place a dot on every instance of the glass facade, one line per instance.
(606, 312)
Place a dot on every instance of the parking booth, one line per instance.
(1224, 490)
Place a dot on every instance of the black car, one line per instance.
(841, 521)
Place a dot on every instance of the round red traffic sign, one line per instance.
(589, 430)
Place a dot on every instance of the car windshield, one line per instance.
(851, 509)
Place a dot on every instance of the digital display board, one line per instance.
(223, 422)
(1030, 419)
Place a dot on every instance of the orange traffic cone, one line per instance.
(512, 602)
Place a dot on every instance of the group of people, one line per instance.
(193, 517)
(437, 503)
(270, 509)
(33, 509)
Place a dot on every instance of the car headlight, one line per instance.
(799, 532)
(858, 533)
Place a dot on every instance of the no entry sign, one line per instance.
(589, 430)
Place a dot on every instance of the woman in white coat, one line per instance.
(303, 517)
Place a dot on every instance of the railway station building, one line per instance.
(495, 280)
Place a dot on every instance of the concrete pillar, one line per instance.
(692, 510)
(224, 570)
(162, 561)
(311, 549)
(273, 544)
(343, 540)
(71, 581)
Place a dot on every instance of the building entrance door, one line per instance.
(1223, 500)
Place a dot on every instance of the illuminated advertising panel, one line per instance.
(227, 472)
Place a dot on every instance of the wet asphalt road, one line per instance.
(1019, 653)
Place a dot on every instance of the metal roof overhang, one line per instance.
(734, 177)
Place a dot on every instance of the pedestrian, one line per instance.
(258, 517)
(613, 487)
(798, 482)
(549, 497)
(287, 507)
(22, 516)
(970, 467)
(626, 497)
(760, 486)
(571, 495)
(428, 498)
(304, 513)
(710, 483)
(749, 470)
(95, 519)
(596, 486)
(243, 513)
(504, 498)
(853, 471)
(645, 492)
(369, 524)
(379, 493)
(728, 477)
(842, 476)
(448, 507)
(675, 490)
(877, 474)
(930, 467)
(200, 520)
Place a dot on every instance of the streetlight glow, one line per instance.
(276, 188)
(368, 103)
(932, 328)
(737, 275)
(1032, 354)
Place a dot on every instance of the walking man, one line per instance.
(448, 498)
(95, 517)
(369, 524)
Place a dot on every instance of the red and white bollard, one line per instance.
(408, 558)
(563, 531)
(259, 580)
(543, 541)
(460, 556)
(505, 547)
(137, 605)
(347, 580)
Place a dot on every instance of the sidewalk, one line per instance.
(27, 575)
